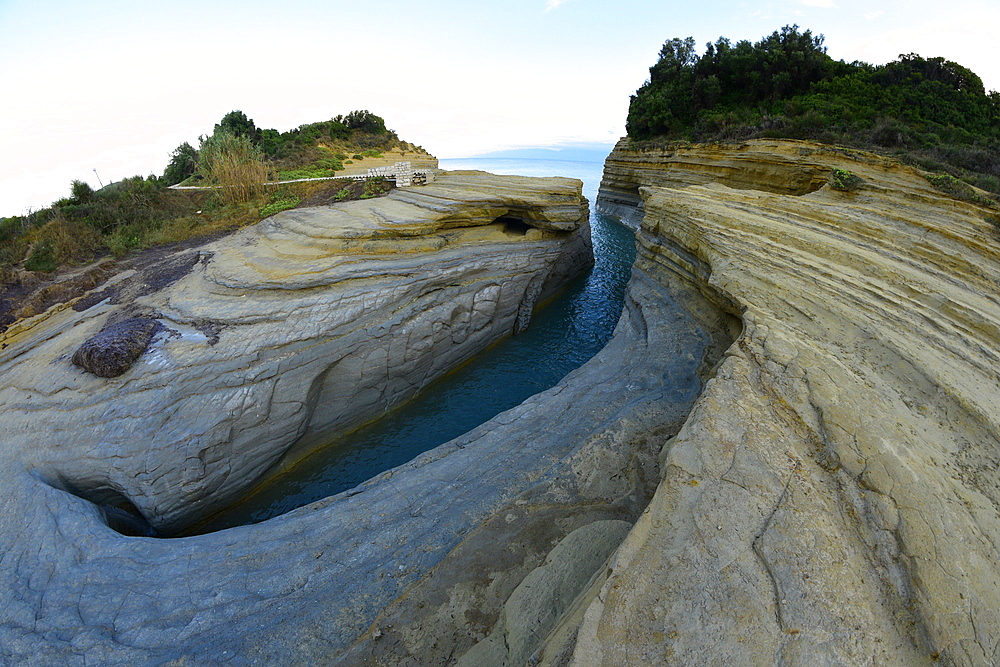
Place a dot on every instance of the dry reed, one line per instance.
(237, 166)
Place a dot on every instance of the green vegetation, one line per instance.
(375, 187)
(238, 161)
(236, 165)
(278, 205)
(960, 190)
(841, 179)
(929, 112)
(42, 258)
(183, 164)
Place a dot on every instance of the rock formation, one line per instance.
(320, 319)
(477, 514)
(115, 348)
(833, 497)
(802, 459)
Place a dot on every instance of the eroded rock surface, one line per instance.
(834, 497)
(830, 496)
(311, 322)
(464, 523)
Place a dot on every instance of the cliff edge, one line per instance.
(834, 496)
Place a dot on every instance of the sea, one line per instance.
(561, 337)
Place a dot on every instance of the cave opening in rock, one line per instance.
(123, 517)
(513, 226)
(119, 513)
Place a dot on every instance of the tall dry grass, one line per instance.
(237, 166)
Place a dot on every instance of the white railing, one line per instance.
(401, 173)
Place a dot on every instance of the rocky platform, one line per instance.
(307, 324)
(800, 466)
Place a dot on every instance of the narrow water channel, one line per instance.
(562, 336)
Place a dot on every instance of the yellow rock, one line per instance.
(847, 509)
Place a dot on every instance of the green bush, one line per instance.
(338, 130)
(13, 227)
(363, 120)
(844, 180)
(237, 124)
(950, 185)
(375, 141)
(183, 163)
(124, 240)
(983, 200)
(960, 190)
(331, 163)
(81, 192)
(375, 187)
(43, 258)
(131, 200)
(279, 205)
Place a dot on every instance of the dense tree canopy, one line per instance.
(237, 124)
(785, 85)
(183, 163)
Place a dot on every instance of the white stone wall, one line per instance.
(402, 173)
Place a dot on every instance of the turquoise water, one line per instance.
(561, 337)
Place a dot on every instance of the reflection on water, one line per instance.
(561, 337)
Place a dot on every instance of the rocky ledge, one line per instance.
(253, 347)
(834, 497)
(799, 466)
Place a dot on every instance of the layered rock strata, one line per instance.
(309, 323)
(829, 496)
(438, 544)
(834, 497)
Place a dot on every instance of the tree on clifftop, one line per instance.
(363, 120)
(681, 84)
(237, 124)
(183, 163)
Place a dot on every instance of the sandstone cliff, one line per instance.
(834, 497)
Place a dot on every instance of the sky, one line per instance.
(106, 89)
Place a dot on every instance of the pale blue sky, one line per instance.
(116, 85)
